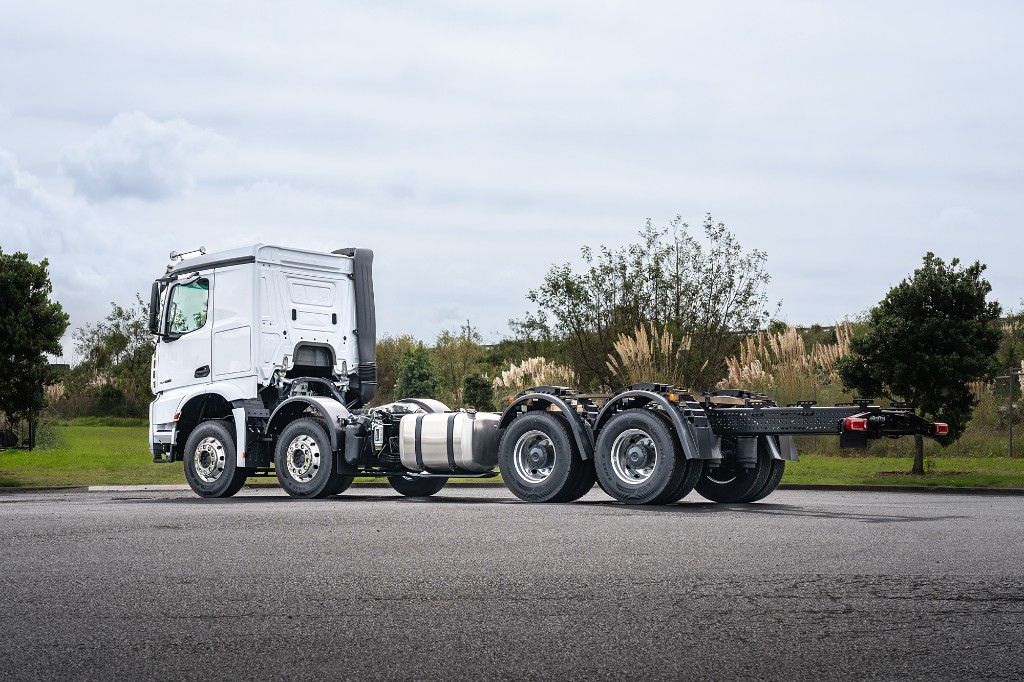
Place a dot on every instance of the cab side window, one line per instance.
(190, 304)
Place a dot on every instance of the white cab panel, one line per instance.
(233, 314)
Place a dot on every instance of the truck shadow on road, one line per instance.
(770, 509)
(691, 508)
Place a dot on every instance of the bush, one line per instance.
(417, 377)
(477, 393)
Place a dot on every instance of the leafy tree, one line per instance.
(456, 356)
(477, 392)
(31, 326)
(1011, 348)
(417, 376)
(930, 336)
(705, 288)
(390, 352)
(116, 360)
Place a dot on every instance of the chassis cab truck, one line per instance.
(265, 365)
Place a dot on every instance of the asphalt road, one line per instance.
(806, 585)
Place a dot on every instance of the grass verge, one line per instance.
(86, 454)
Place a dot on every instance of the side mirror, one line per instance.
(154, 309)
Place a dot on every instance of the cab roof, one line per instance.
(263, 253)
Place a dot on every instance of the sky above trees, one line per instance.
(471, 145)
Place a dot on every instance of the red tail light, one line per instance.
(941, 429)
(855, 424)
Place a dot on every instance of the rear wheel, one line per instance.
(729, 483)
(539, 461)
(774, 478)
(412, 486)
(694, 470)
(637, 459)
(587, 480)
(304, 459)
(210, 464)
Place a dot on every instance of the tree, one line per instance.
(930, 336)
(704, 288)
(116, 359)
(477, 393)
(391, 351)
(417, 377)
(31, 325)
(456, 356)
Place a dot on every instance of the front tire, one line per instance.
(411, 486)
(304, 460)
(210, 464)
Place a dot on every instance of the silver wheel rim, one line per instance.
(634, 456)
(534, 457)
(719, 481)
(209, 459)
(303, 458)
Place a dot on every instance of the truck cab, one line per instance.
(236, 328)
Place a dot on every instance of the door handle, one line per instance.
(203, 371)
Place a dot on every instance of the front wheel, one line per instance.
(210, 465)
(412, 486)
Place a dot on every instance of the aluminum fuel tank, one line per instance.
(449, 442)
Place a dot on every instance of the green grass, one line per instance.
(79, 454)
(88, 455)
(980, 472)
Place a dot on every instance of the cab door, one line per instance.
(184, 351)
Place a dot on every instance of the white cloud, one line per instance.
(484, 142)
(91, 260)
(136, 156)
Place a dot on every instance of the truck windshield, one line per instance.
(189, 305)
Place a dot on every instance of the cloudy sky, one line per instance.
(472, 144)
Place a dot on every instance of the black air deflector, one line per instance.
(366, 320)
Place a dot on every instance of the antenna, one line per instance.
(180, 255)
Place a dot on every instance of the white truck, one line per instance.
(265, 364)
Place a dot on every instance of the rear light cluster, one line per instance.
(855, 424)
(940, 429)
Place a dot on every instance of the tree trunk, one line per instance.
(918, 456)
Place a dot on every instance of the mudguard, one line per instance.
(683, 430)
(332, 412)
(581, 431)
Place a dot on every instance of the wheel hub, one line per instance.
(303, 458)
(539, 456)
(209, 459)
(534, 457)
(638, 456)
(634, 456)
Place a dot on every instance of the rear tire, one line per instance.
(587, 480)
(416, 487)
(304, 460)
(729, 484)
(694, 470)
(210, 464)
(774, 478)
(637, 459)
(539, 461)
